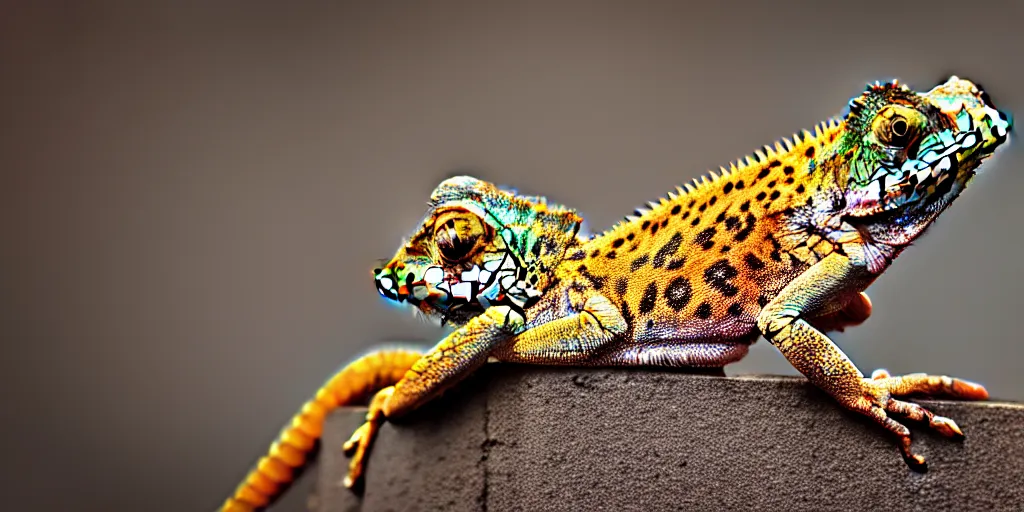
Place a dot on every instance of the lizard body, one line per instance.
(781, 244)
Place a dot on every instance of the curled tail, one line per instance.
(354, 384)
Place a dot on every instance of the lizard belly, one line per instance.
(680, 329)
(705, 354)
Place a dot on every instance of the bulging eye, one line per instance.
(897, 125)
(457, 234)
(451, 245)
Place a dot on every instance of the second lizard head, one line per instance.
(478, 246)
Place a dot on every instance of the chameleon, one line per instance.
(781, 244)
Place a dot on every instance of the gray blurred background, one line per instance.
(194, 195)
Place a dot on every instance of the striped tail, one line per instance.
(354, 384)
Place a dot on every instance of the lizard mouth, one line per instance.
(932, 175)
(457, 296)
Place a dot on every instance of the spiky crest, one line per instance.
(711, 178)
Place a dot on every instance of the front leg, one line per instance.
(451, 360)
(782, 322)
(499, 332)
(570, 339)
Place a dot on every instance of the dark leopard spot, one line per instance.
(620, 286)
(676, 263)
(719, 276)
(639, 262)
(704, 236)
(678, 293)
(753, 262)
(667, 250)
(650, 297)
(703, 311)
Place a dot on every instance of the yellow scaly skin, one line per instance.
(781, 244)
(356, 382)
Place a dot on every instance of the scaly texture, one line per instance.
(353, 384)
(781, 244)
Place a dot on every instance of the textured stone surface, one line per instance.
(542, 438)
(431, 460)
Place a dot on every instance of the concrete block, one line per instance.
(547, 438)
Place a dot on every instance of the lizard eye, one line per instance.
(457, 234)
(899, 132)
(897, 125)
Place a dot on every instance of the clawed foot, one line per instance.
(358, 446)
(879, 399)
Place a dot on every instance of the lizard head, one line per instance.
(909, 154)
(478, 246)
